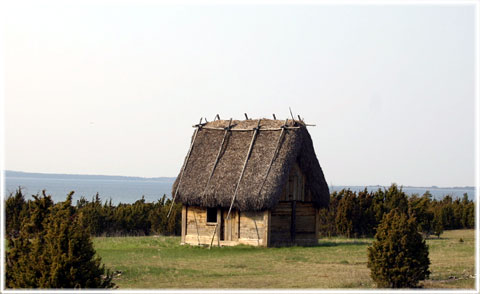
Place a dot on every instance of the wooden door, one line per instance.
(228, 230)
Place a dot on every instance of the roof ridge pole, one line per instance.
(239, 179)
(227, 129)
(274, 155)
(184, 166)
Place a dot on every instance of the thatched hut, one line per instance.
(254, 182)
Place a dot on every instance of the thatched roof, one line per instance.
(296, 146)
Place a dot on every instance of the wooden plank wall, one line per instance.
(281, 219)
(197, 230)
(295, 186)
(305, 223)
(242, 228)
(304, 226)
(252, 228)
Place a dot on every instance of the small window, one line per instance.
(211, 215)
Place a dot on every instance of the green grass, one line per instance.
(160, 262)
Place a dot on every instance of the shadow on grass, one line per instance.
(340, 243)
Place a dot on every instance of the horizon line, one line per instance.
(169, 177)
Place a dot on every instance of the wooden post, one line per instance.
(183, 167)
(317, 219)
(184, 223)
(220, 223)
(266, 220)
(292, 115)
(293, 221)
(228, 224)
(238, 225)
(256, 229)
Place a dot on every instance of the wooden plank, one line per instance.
(303, 210)
(305, 223)
(196, 227)
(183, 169)
(290, 188)
(184, 223)
(294, 190)
(252, 233)
(266, 233)
(316, 224)
(293, 222)
(258, 234)
(249, 130)
(305, 236)
(219, 224)
(203, 240)
(282, 208)
(228, 225)
(303, 188)
(238, 225)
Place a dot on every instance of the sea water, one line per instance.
(130, 190)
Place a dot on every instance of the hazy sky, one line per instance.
(105, 89)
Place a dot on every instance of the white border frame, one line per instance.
(475, 3)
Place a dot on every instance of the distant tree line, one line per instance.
(350, 214)
(99, 218)
(357, 214)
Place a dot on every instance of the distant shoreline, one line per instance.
(20, 174)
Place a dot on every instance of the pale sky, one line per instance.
(114, 90)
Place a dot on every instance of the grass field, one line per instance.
(160, 262)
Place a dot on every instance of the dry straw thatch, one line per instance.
(296, 145)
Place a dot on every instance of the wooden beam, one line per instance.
(293, 222)
(183, 168)
(220, 223)
(317, 227)
(244, 166)
(275, 152)
(256, 229)
(249, 130)
(227, 130)
(267, 215)
(292, 115)
(184, 223)
(238, 225)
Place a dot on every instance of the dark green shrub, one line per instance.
(398, 258)
(53, 250)
(15, 212)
